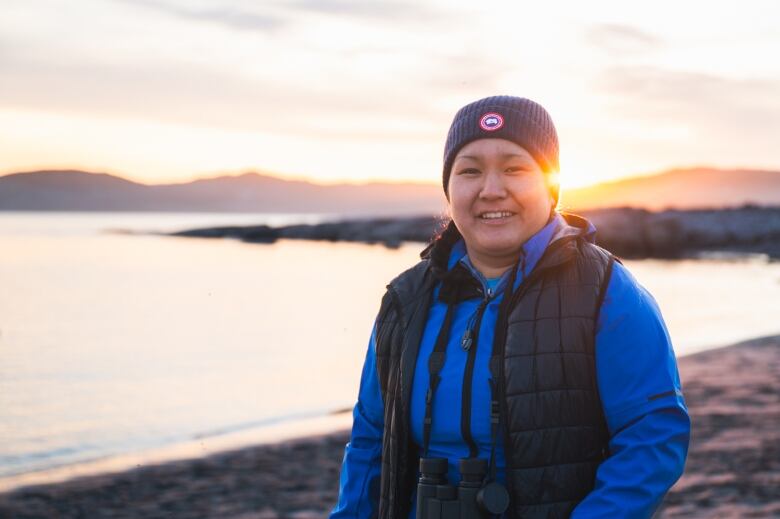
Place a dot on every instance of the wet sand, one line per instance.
(733, 467)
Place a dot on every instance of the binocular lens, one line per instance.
(472, 498)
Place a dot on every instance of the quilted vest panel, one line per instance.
(553, 425)
(555, 429)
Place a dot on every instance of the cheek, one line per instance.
(457, 209)
(459, 204)
(535, 196)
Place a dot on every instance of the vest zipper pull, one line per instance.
(465, 343)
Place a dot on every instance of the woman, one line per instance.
(519, 342)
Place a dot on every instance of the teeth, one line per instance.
(496, 214)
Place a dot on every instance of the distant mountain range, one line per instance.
(693, 188)
(252, 192)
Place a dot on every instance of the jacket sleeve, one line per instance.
(643, 404)
(360, 470)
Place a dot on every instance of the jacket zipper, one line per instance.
(469, 343)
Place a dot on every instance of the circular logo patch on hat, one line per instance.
(491, 121)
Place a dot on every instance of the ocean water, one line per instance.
(116, 343)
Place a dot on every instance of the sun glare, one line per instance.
(571, 178)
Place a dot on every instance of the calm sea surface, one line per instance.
(114, 343)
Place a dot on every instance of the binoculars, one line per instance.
(473, 498)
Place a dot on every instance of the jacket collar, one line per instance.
(448, 247)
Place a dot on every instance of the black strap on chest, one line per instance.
(495, 365)
(435, 364)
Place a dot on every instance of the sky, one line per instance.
(164, 91)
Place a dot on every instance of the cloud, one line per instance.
(264, 16)
(466, 73)
(387, 10)
(369, 76)
(662, 91)
(723, 116)
(386, 88)
(621, 39)
(190, 94)
(222, 14)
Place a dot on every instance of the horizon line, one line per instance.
(342, 182)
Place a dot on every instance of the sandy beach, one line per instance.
(733, 467)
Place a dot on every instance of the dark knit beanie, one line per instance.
(515, 119)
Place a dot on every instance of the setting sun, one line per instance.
(303, 93)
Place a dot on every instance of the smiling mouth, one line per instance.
(495, 215)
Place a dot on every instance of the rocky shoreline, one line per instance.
(733, 467)
(629, 233)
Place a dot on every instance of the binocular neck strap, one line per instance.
(438, 355)
(499, 337)
(435, 364)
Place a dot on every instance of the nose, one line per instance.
(493, 186)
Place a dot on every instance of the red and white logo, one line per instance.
(491, 121)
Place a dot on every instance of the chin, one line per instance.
(500, 247)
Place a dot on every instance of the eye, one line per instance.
(468, 171)
(515, 170)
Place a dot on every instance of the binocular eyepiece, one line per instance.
(473, 498)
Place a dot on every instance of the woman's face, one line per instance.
(498, 198)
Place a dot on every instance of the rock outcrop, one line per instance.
(629, 233)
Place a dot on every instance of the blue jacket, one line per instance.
(637, 378)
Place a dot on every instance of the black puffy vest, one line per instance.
(554, 430)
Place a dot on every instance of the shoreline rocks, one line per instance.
(628, 233)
